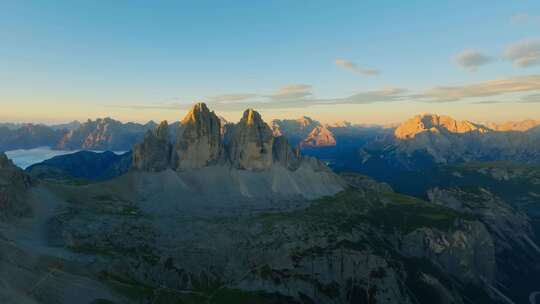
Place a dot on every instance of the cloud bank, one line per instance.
(300, 95)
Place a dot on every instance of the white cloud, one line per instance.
(226, 98)
(472, 59)
(534, 98)
(300, 95)
(524, 53)
(482, 89)
(293, 91)
(351, 66)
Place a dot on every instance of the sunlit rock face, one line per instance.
(198, 142)
(251, 143)
(320, 137)
(153, 154)
(435, 124)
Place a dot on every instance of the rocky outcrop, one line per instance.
(466, 253)
(509, 227)
(198, 141)
(154, 153)
(13, 185)
(251, 143)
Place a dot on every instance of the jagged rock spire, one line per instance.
(5, 162)
(251, 143)
(283, 153)
(198, 142)
(153, 154)
(201, 141)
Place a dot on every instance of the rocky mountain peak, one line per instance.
(198, 140)
(305, 121)
(251, 117)
(320, 136)
(251, 142)
(162, 131)
(5, 162)
(435, 124)
(198, 112)
(154, 152)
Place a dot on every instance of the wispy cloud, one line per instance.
(156, 106)
(300, 96)
(226, 98)
(524, 53)
(486, 102)
(293, 91)
(533, 98)
(383, 95)
(353, 67)
(482, 89)
(472, 59)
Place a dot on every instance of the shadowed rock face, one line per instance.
(154, 152)
(251, 143)
(284, 154)
(247, 160)
(13, 185)
(198, 142)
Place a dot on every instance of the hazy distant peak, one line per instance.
(520, 126)
(339, 124)
(320, 136)
(305, 121)
(436, 124)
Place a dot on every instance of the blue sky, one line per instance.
(363, 61)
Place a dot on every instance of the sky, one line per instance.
(360, 61)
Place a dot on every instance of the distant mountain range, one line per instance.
(420, 141)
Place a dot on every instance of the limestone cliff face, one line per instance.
(284, 154)
(154, 153)
(198, 142)
(202, 141)
(466, 253)
(251, 143)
